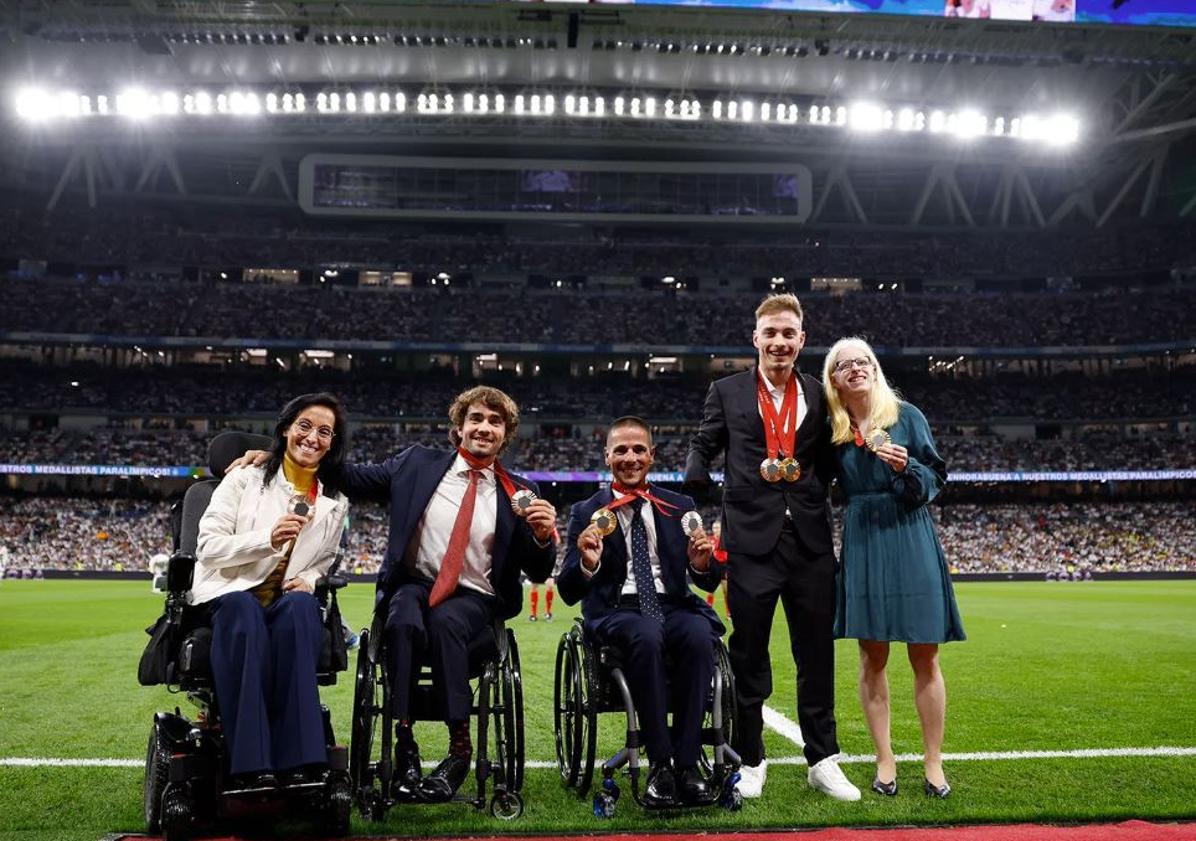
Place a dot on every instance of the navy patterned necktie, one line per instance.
(641, 566)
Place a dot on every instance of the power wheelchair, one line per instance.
(589, 680)
(497, 706)
(187, 785)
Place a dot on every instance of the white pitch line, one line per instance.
(784, 725)
(975, 756)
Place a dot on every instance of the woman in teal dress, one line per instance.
(893, 585)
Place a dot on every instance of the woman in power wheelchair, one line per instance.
(251, 630)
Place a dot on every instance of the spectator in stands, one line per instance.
(268, 535)
(893, 584)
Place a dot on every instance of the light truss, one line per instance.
(1058, 129)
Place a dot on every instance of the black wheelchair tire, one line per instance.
(157, 772)
(361, 745)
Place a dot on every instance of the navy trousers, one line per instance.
(264, 664)
(689, 638)
(439, 636)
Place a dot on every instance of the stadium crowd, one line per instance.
(551, 316)
(1092, 450)
(118, 534)
(211, 391)
(114, 238)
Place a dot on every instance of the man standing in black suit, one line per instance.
(771, 421)
(635, 596)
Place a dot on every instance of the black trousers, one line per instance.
(439, 636)
(805, 585)
(689, 639)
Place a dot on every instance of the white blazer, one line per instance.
(234, 551)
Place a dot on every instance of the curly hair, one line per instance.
(491, 398)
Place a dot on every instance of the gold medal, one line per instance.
(604, 520)
(770, 469)
(876, 439)
(790, 469)
(521, 501)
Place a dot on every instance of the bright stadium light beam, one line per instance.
(1062, 130)
(970, 124)
(134, 103)
(34, 104)
(866, 116)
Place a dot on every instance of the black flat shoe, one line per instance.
(887, 789)
(442, 784)
(941, 792)
(252, 780)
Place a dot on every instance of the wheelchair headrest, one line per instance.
(230, 445)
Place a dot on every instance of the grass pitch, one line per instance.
(1048, 666)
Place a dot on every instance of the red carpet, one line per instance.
(1128, 831)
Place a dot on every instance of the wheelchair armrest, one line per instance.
(180, 572)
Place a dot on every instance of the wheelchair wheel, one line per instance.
(508, 716)
(365, 708)
(178, 813)
(730, 705)
(157, 772)
(338, 806)
(575, 711)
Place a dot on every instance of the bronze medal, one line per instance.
(604, 520)
(790, 469)
(770, 469)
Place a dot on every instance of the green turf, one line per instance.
(1047, 666)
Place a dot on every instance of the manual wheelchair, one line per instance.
(589, 680)
(497, 706)
(187, 786)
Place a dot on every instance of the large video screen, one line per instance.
(1123, 12)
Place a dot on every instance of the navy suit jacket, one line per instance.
(407, 481)
(599, 593)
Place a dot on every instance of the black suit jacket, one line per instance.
(753, 509)
(599, 593)
(407, 481)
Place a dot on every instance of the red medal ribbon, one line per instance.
(780, 428)
(859, 439)
(500, 472)
(630, 494)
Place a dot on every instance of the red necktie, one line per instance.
(454, 555)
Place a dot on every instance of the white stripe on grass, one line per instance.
(983, 756)
(784, 725)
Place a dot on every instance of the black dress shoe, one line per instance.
(442, 784)
(941, 792)
(661, 790)
(408, 773)
(693, 787)
(887, 789)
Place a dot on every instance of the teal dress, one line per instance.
(893, 583)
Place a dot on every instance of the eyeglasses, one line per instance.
(847, 364)
(304, 428)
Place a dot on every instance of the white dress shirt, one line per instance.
(430, 541)
(778, 397)
(626, 513)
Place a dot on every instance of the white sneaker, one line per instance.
(827, 778)
(751, 779)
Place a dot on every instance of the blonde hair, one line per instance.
(493, 399)
(781, 302)
(884, 403)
